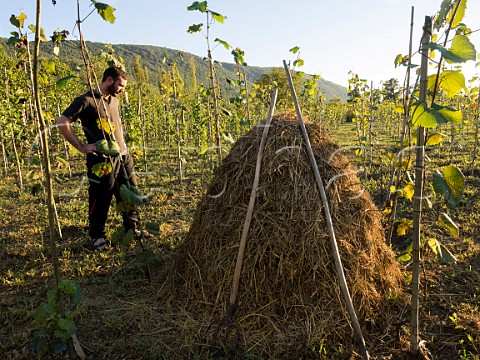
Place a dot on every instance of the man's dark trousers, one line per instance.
(102, 189)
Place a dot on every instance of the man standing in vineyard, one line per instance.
(109, 164)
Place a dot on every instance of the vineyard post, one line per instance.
(65, 147)
(17, 158)
(418, 192)
(477, 130)
(2, 134)
(397, 170)
(4, 152)
(215, 96)
(142, 121)
(370, 125)
(177, 126)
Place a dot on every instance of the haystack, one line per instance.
(289, 300)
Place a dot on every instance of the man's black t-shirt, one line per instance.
(84, 108)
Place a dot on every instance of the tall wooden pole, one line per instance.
(418, 191)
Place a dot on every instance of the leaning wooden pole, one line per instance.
(418, 191)
(328, 220)
(45, 151)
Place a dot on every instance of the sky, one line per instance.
(335, 37)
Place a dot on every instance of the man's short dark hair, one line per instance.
(115, 72)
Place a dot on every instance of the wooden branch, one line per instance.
(328, 220)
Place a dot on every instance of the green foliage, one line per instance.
(434, 139)
(224, 43)
(131, 195)
(192, 29)
(122, 237)
(105, 11)
(54, 329)
(451, 81)
(200, 6)
(461, 50)
(33, 29)
(18, 21)
(153, 228)
(451, 185)
(108, 147)
(102, 169)
(448, 224)
(61, 83)
(437, 115)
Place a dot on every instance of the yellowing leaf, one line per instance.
(102, 169)
(449, 225)
(404, 226)
(105, 11)
(450, 114)
(457, 10)
(451, 185)
(434, 139)
(452, 82)
(18, 21)
(105, 125)
(433, 245)
(399, 110)
(409, 190)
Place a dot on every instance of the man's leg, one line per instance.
(126, 176)
(99, 199)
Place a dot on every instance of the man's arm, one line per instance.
(64, 125)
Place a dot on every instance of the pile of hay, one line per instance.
(289, 299)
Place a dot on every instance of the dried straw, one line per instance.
(289, 297)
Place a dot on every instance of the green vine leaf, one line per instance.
(218, 17)
(447, 114)
(122, 238)
(442, 14)
(298, 62)
(200, 6)
(461, 50)
(224, 43)
(18, 21)
(423, 116)
(446, 257)
(131, 195)
(33, 29)
(66, 328)
(448, 224)
(192, 29)
(435, 139)
(61, 83)
(452, 82)
(451, 185)
(108, 147)
(460, 6)
(105, 11)
(295, 49)
(437, 115)
(102, 169)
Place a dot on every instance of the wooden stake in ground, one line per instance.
(418, 191)
(328, 220)
(227, 320)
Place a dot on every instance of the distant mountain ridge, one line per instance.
(152, 57)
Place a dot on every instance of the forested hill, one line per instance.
(154, 58)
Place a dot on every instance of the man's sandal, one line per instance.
(98, 244)
(144, 234)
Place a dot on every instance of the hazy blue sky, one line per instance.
(334, 37)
